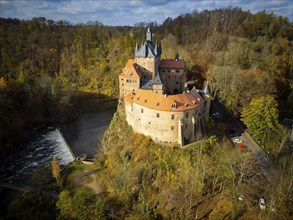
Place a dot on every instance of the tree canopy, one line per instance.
(261, 118)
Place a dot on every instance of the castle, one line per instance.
(157, 102)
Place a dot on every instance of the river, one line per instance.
(84, 135)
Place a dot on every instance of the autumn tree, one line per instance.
(261, 118)
(55, 168)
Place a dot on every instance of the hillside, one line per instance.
(51, 70)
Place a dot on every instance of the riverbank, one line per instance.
(63, 106)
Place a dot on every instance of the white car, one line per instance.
(262, 203)
(241, 197)
(237, 140)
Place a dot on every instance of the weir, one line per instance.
(66, 143)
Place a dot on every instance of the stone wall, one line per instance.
(174, 79)
(164, 126)
(128, 85)
(148, 67)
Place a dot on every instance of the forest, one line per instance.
(48, 67)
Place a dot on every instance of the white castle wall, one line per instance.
(163, 128)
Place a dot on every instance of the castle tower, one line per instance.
(148, 57)
(208, 99)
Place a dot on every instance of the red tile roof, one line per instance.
(130, 70)
(149, 99)
(172, 64)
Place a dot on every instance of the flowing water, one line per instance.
(38, 151)
(83, 136)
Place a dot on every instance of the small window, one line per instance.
(186, 115)
(173, 105)
(172, 117)
(163, 71)
(141, 110)
(122, 84)
(158, 115)
(177, 71)
(186, 126)
(172, 127)
(177, 83)
(169, 77)
(169, 71)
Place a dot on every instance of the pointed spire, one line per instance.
(149, 28)
(207, 88)
(149, 34)
(136, 46)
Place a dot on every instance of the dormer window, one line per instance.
(173, 105)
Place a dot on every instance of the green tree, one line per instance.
(65, 205)
(261, 118)
(80, 205)
(100, 210)
(55, 168)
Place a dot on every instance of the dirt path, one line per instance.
(88, 179)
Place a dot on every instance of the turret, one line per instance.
(149, 34)
(207, 89)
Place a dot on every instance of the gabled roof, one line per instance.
(129, 63)
(161, 102)
(172, 64)
(130, 70)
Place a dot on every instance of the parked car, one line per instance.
(242, 147)
(262, 203)
(237, 140)
(241, 197)
(234, 134)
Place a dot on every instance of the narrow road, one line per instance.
(262, 159)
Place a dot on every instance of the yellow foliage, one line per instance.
(2, 83)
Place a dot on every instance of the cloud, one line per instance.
(124, 12)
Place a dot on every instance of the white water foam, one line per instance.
(36, 153)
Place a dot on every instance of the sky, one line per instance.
(130, 12)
